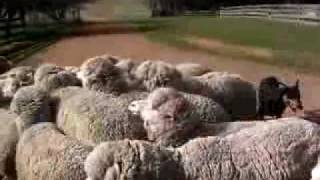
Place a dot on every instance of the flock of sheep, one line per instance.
(117, 119)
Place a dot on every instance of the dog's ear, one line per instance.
(297, 83)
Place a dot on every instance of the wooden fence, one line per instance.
(307, 13)
(11, 26)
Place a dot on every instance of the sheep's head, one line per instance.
(163, 112)
(11, 86)
(31, 104)
(131, 160)
(23, 74)
(101, 75)
(45, 70)
(135, 107)
(126, 65)
(62, 79)
(157, 74)
(72, 69)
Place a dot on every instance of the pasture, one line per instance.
(263, 41)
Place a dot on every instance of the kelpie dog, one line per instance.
(275, 97)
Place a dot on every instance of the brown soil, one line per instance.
(73, 51)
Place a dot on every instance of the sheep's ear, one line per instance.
(113, 173)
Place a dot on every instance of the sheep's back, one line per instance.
(285, 149)
(43, 152)
(96, 117)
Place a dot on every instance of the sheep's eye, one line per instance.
(167, 116)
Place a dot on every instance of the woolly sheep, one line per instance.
(268, 150)
(102, 75)
(31, 104)
(112, 58)
(285, 149)
(127, 65)
(198, 107)
(45, 153)
(8, 141)
(192, 69)
(155, 74)
(236, 95)
(23, 74)
(8, 87)
(59, 80)
(44, 70)
(168, 113)
(14, 79)
(316, 171)
(95, 117)
(131, 160)
(72, 69)
(127, 68)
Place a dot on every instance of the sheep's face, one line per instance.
(11, 87)
(163, 112)
(157, 123)
(101, 75)
(157, 74)
(135, 107)
(45, 71)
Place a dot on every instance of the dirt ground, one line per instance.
(73, 51)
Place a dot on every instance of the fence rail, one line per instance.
(297, 12)
(10, 26)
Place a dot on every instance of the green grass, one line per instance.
(119, 9)
(292, 45)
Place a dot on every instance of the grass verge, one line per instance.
(290, 45)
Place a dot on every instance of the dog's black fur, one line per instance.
(275, 97)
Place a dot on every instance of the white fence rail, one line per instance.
(298, 12)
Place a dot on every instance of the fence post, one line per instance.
(8, 26)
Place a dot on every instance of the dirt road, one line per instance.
(74, 51)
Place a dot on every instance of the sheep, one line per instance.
(45, 153)
(155, 74)
(59, 80)
(9, 87)
(44, 70)
(236, 95)
(268, 150)
(127, 68)
(24, 74)
(275, 97)
(102, 75)
(316, 171)
(14, 79)
(285, 149)
(112, 58)
(171, 117)
(72, 69)
(8, 141)
(131, 160)
(95, 117)
(198, 107)
(192, 69)
(127, 65)
(31, 104)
